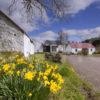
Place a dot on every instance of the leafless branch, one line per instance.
(56, 7)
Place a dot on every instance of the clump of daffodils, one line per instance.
(32, 76)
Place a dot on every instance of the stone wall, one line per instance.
(11, 37)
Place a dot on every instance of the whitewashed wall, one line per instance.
(91, 51)
(28, 46)
(76, 52)
(69, 50)
(60, 48)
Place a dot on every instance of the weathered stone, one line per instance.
(11, 37)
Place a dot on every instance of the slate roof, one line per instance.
(49, 42)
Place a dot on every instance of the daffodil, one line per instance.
(45, 77)
(40, 74)
(29, 75)
(13, 65)
(46, 83)
(10, 72)
(55, 67)
(31, 66)
(30, 94)
(24, 70)
(47, 72)
(61, 80)
(18, 73)
(21, 61)
(16, 56)
(54, 87)
(38, 79)
(6, 67)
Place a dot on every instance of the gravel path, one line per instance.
(88, 68)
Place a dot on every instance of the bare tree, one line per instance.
(62, 37)
(56, 7)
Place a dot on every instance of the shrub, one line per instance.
(55, 57)
(49, 56)
(80, 53)
(97, 52)
(22, 80)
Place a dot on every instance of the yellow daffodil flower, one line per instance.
(18, 73)
(30, 94)
(29, 75)
(54, 87)
(31, 66)
(6, 67)
(46, 83)
(45, 77)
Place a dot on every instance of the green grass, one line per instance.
(39, 56)
(73, 88)
(6, 56)
(72, 85)
(96, 55)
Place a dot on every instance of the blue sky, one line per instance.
(84, 19)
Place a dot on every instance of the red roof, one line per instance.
(81, 45)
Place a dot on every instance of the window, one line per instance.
(14, 34)
(54, 48)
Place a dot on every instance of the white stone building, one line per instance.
(54, 46)
(13, 37)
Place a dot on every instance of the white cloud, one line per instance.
(77, 5)
(48, 35)
(20, 17)
(84, 33)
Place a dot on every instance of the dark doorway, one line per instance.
(46, 48)
(85, 51)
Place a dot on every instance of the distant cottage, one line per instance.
(13, 38)
(54, 46)
(76, 48)
(69, 48)
(95, 41)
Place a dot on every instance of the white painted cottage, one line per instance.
(75, 48)
(13, 37)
